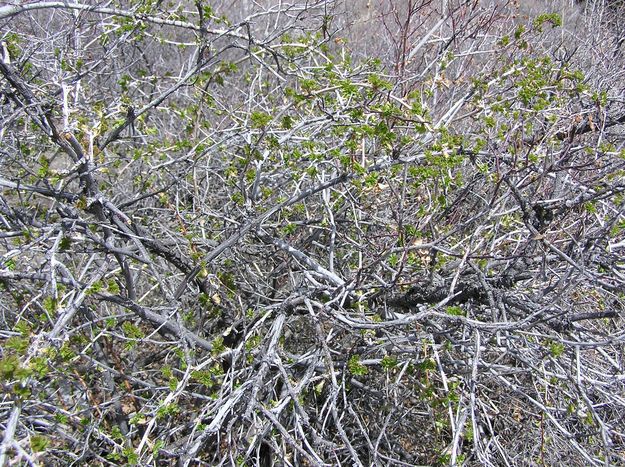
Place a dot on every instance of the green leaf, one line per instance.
(17, 343)
(388, 362)
(455, 311)
(132, 331)
(8, 367)
(355, 367)
(552, 18)
(287, 122)
(556, 349)
(260, 119)
(39, 443)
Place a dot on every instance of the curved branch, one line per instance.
(12, 10)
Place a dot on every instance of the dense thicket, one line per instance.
(384, 232)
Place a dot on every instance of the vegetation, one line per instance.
(312, 232)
